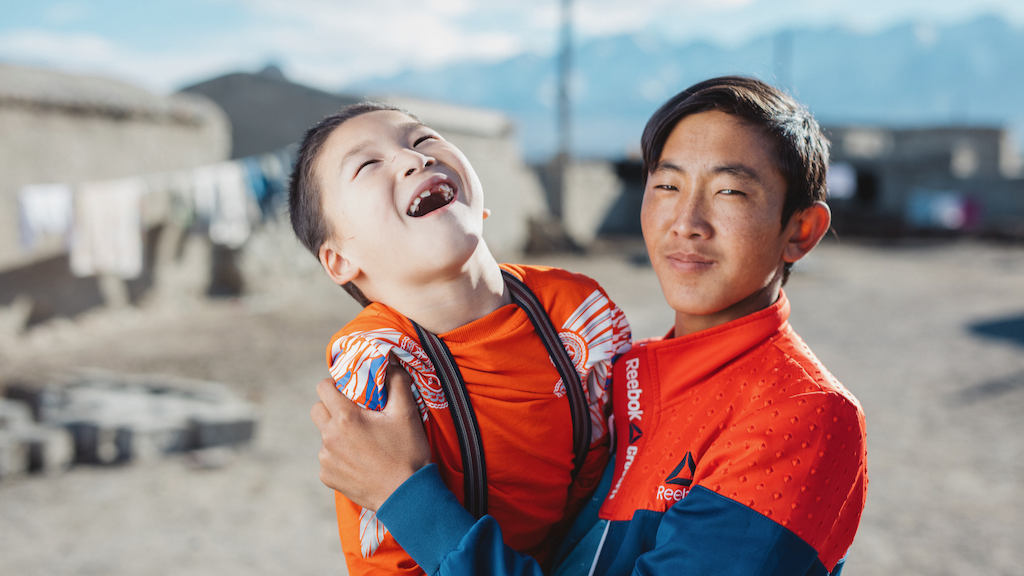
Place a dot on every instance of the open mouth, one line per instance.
(433, 198)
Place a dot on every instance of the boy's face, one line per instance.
(711, 219)
(403, 203)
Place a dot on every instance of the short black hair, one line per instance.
(799, 147)
(305, 201)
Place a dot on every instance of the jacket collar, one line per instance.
(709, 350)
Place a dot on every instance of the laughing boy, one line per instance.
(395, 215)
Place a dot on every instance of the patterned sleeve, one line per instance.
(595, 334)
(359, 367)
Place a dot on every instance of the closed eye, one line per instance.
(364, 165)
(422, 138)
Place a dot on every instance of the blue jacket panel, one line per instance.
(702, 534)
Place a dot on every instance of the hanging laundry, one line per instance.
(107, 234)
(44, 210)
(254, 173)
(204, 192)
(183, 209)
(224, 199)
(276, 168)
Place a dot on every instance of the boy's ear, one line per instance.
(340, 269)
(805, 230)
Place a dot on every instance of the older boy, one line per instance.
(395, 214)
(738, 453)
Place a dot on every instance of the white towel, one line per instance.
(107, 233)
(45, 210)
(222, 196)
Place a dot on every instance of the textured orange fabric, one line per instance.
(519, 401)
(746, 410)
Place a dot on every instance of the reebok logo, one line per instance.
(671, 494)
(635, 433)
(683, 474)
(633, 391)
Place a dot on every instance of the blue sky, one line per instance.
(162, 45)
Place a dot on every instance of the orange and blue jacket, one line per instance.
(737, 453)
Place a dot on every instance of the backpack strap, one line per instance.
(527, 300)
(466, 426)
(470, 444)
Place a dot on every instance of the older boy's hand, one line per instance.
(367, 455)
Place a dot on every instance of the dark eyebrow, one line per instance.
(665, 166)
(740, 171)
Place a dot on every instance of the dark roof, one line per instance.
(267, 111)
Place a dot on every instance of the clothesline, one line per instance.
(102, 222)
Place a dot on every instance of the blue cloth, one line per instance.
(702, 534)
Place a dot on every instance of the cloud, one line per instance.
(332, 43)
(86, 53)
(45, 46)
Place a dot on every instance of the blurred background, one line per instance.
(161, 330)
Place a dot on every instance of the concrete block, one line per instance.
(115, 419)
(27, 447)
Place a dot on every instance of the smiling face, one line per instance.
(711, 219)
(404, 205)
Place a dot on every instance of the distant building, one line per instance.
(886, 180)
(267, 111)
(64, 128)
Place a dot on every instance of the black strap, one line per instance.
(466, 426)
(472, 448)
(527, 300)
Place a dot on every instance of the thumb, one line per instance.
(399, 385)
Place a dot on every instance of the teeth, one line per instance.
(445, 189)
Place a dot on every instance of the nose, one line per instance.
(413, 160)
(690, 215)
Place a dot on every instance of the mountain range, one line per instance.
(908, 75)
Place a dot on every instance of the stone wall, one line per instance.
(57, 127)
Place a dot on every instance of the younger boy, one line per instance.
(738, 453)
(395, 213)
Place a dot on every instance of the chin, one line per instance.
(690, 306)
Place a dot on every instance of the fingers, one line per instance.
(320, 415)
(331, 397)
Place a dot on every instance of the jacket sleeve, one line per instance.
(442, 537)
(358, 361)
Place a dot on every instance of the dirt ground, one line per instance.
(929, 337)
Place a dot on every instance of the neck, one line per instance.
(691, 323)
(455, 298)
